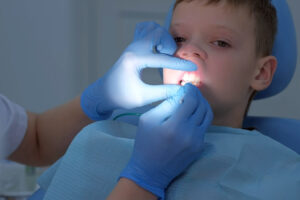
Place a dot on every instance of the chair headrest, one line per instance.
(285, 49)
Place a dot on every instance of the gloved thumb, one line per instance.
(153, 93)
(164, 43)
(166, 109)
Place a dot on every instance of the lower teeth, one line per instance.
(182, 83)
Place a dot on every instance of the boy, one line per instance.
(231, 42)
(227, 41)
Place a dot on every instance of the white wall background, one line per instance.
(50, 50)
(41, 51)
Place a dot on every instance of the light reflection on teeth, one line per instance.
(182, 83)
(190, 78)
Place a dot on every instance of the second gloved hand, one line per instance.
(169, 138)
(121, 87)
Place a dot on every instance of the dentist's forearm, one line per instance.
(49, 134)
(128, 190)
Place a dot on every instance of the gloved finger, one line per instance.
(168, 19)
(153, 93)
(202, 110)
(144, 28)
(163, 41)
(207, 118)
(188, 105)
(198, 117)
(165, 61)
(166, 109)
(202, 128)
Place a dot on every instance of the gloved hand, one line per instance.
(121, 87)
(169, 138)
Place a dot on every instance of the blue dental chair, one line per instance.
(285, 131)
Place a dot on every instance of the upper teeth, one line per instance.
(190, 78)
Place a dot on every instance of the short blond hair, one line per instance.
(265, 21)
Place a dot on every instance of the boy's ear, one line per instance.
(264, 73)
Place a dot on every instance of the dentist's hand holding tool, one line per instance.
(169, 138)
(121, 87)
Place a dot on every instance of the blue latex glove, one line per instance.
(121, 87)
(169, 138)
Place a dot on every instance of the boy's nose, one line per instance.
(188, 50)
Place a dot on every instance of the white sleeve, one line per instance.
(13, 125)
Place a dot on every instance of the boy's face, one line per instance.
(221, 40)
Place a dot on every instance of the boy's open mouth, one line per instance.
(190, 78)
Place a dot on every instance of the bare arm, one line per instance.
(49, 134)
(128, 190)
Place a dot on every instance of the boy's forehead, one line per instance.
(230, 4)
(220, 16)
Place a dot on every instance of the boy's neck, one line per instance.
(234, 121)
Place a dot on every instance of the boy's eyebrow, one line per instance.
(217, 26)
(226, 28)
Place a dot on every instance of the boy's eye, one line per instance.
(179, 39)
(221, 43)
